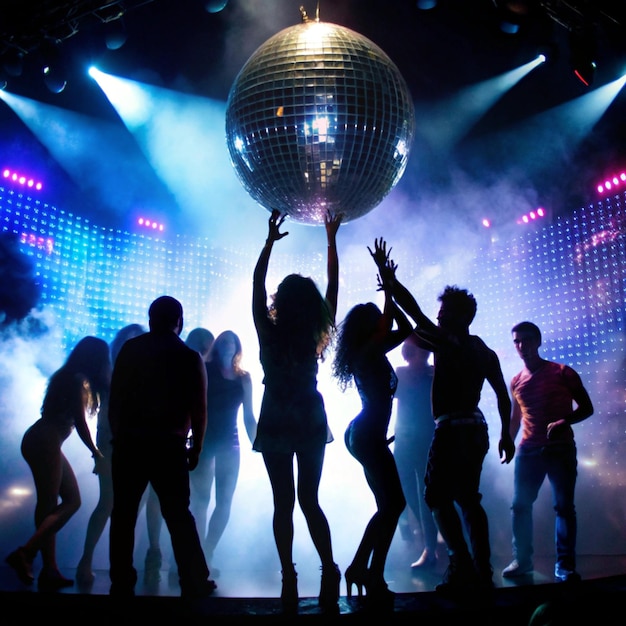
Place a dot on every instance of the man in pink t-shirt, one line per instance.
(548, 398)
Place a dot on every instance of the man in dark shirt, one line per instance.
(158, 395)
(462, 363)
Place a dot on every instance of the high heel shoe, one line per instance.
(22, 564)
(52, 580)
(357, 577)
(84, 574)
(289, 591)
(329, 589)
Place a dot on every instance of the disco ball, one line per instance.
(319, 118)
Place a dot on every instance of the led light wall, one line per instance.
(568, 277)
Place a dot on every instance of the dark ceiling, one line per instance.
(181, 45)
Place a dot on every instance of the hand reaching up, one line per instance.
(386, 266)
(332, 222)
(275, 222)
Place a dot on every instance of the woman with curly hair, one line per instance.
(365, 337)
(74, 393)
(293, 334)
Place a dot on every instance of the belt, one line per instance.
(461, 417)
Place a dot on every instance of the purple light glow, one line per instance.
(21, 179)
(614, 183)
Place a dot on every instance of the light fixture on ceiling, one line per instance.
(513, 13)
(13, 62)
(426, 5)
(215, 6)
(582, 54)
(53, 68)
(115, 34)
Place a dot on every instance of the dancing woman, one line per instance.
(293, 334)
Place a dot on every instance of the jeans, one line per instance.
(559, 464)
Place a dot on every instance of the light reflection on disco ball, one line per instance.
(319, 118)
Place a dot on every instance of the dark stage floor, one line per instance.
(251, 596)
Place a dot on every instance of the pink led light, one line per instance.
(148, 223)
(611, 183)
(21, 179)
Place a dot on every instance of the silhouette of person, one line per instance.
(74, 393)
(199, 339)
(293, 335)
(414, 428)
(462, 363)
(158, 395)
(229, 390)
(544, 395)
(102, 511)
(365, 337)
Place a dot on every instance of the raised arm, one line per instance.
(259, 293)
(332, 222)
(391, 312)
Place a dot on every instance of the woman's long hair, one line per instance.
(90, 358)
(215, 352)
(357, 328)
(302, 316)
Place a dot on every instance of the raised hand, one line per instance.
(275, 222)
(332, 222)
(380, 254)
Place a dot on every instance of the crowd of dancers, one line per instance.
(167, 412)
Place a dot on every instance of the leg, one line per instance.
(54, 481)
(130, 479)
(154, 524)
(403, 453)
(97, 522)
(309, 474)
(169, 475)
(424, 517)
(442, 473)
(529, 474)
(382, 477)
(281, 474)
(562, 473)
(201, 481)
(439, 490)
(227, 464)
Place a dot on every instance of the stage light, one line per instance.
(13, 62)
(115, 34)
(215, 6)
(583, 50)
(513, 14)
(426, 5)
(53, 68)
(54, 78)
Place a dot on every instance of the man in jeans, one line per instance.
(544, 394)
